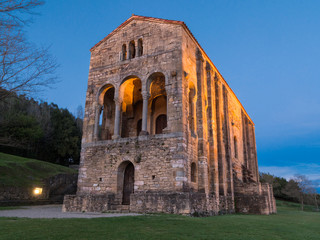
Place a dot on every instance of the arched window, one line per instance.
(107, 113)
(161, 123)
(158, 100)
(124, 52)
(235, 147)
(193, 172)
(131, 106)
(132, 50)
(140, 47)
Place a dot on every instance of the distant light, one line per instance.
(37, 191)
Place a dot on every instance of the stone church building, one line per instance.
(163, 131)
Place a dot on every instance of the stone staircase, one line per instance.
(119, 208)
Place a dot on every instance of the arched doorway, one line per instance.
(128, 183)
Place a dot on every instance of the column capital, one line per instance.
(99, 107)
(117, 101)
(145, 95)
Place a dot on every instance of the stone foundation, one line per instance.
(88, 203)
(53, 190)
(254, 198)
(186, 203)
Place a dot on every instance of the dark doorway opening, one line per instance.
(161, 123)
(128, 184)
(139, 127)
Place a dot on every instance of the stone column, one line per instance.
(201, 120)
(145, 97)
(116, 133)
(96, 122)
(255, 153)
(227, 140)
(220, 145)
(212, 137)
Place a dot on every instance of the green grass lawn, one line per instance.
(22, 172)
(289, 223)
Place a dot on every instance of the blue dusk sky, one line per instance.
(267, 50)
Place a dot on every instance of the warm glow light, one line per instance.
(37, 191)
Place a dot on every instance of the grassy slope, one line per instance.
(289, 223)
(23, 172)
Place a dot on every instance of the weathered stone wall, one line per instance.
(254, 198)
(161, 53)
(159, 163)
(186, 203)
(89, 203)
(53, 189)
(207, 152)
(221, 123)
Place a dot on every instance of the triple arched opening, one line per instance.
(131, 101)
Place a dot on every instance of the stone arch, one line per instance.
(157, 100)
(131, 108)
(105, 113)
(102, 90)
(125, 181)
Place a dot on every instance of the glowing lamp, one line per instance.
(37, 191)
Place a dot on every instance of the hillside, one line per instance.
(24, 172)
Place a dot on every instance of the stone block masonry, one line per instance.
(163, 131)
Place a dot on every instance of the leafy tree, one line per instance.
(40, 130)
(66, 136)
(21, 131)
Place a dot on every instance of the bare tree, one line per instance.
(314, 195)
(24, 68)
(13, 12)
(305, 186)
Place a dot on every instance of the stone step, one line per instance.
(120, 209)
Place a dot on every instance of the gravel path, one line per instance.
(54, 211)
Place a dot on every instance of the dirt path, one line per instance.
(54, 211)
